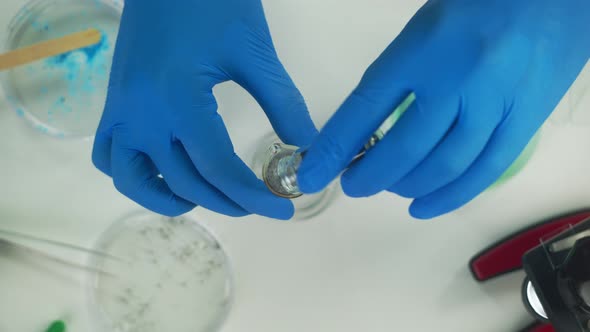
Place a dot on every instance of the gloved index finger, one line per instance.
(275, 91)
(362, 115)
(211, 150)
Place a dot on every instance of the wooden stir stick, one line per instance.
(49, 48)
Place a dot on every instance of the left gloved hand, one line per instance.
(486, 74)
(161, 138)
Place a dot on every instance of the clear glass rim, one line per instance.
(14, 26)
(325, 198)
(97, 316)
(329, 195)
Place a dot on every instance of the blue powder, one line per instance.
(36, 25)
(40, 27)
(80, 72)
(50, 114)
(80, 69)
(59, 104)
(92, 52)
(42, 129)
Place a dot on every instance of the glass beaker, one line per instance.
(276, 164)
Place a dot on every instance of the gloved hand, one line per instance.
(161, 116)
(486, 75)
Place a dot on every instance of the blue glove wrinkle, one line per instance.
(260, 71)
(333, 150)
(186, 182)
(454, 153)
(412, 138)
(136, 176)
(101, 153)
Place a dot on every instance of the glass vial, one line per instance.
(279, 172)
(276, 164)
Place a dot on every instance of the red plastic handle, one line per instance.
(506, 256)
(540, 328)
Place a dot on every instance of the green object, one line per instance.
(514, 169)
(522, 160)
(395, 116)
(57, 326)
(390, 121)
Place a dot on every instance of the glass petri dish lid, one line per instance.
(62, 96)
(159, 274)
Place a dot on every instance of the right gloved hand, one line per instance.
(486, 75)
(161, 116)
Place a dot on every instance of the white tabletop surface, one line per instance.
(363, 265)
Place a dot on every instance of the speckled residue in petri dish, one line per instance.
(64, 95)
(174, 277)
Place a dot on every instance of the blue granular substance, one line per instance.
(80, 69)
(92, 52)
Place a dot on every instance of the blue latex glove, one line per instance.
(161, 116)
(486, 74)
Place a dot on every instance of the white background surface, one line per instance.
(364, 265)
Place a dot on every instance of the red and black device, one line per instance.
(555, 255)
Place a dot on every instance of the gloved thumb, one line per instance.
(267, 80)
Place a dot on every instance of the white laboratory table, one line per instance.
(363, 265)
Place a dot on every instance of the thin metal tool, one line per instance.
(58, 244)
(386, 126)
(279, 172)
(43, 255)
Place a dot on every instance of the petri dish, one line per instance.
(159, 274)
(62, 96)
(306, 206)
